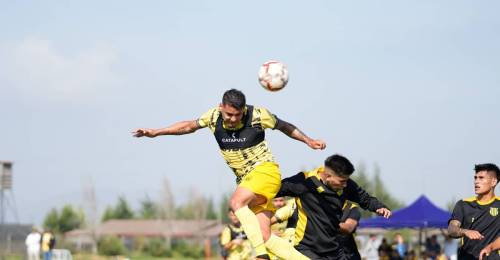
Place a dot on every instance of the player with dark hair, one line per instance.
(320, 196)
(239, 130)
(476, 219)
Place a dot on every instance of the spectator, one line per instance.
(234, 240)
(385, 250)
(399, 245)
(411, 255)
(450, 248)
(33, 245)
(48, 242)
(433, 249)
(370, 249)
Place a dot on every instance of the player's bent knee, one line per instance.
(236, 204)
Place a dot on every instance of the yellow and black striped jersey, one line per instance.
(282, 215)
(320, 211)
(482, 217)
(241, 251)
(243, 147)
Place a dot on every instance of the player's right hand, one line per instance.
(473, 234)
(317, 144)
(143, 132)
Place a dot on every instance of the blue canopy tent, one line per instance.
(420, 214)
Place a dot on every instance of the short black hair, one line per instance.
(234, 98)
(340, 165)
(489, 167)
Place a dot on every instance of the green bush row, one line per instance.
(112, 246)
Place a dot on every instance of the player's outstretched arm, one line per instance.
(293, 132)
(455, 231)
(493, 246)
(179, 128)
(357, 194)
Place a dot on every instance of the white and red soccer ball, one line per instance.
(273, 75)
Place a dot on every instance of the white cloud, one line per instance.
(35, 67)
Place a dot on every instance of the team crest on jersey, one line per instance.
(494, 212)
(320, 189)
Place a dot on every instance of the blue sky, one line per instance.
(411, 86)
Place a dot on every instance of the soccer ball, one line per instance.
(273, 75)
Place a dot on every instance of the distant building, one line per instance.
(130, 230)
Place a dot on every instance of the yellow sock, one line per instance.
(283, 249)
(250, 225)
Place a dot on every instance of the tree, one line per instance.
(123, 210)
(194, 208)
(380, 191)
(149, 209)
(450, 205)
(167, 205)
(120, 211)
(67, 220)
(211, 213)
(90, 205)
(51, 221)
(376, 187)
(108, 214)
(223, 207)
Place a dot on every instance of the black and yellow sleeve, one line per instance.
(357, 194)
(292, 186)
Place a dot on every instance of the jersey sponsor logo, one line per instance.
(234, 139)
(493, 211)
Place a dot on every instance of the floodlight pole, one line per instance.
(5, 185)
(2, 209)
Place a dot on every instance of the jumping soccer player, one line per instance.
(476, 219)
(320, 196)
(239, 131)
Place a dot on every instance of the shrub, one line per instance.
(111, 246)
(181, 249)
(156, 247)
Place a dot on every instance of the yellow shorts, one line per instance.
(264, 180)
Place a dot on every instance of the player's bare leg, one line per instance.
(239, 204)
(258, 226)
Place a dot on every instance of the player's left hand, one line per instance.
(485, 252)
(386, 213)
(317, 144)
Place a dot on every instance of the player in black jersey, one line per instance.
(494, 246)
(320, 196)
(348, 224)
(476, 219)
